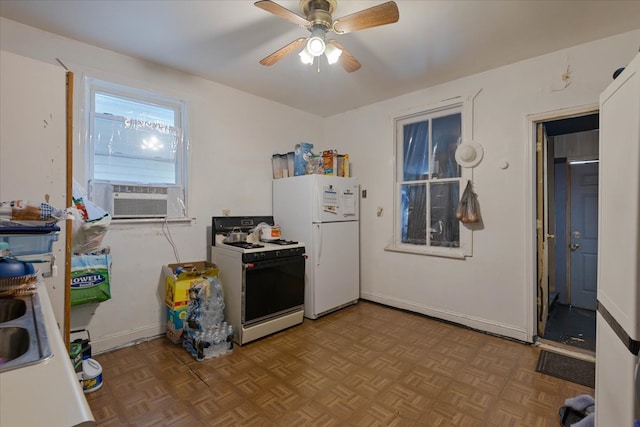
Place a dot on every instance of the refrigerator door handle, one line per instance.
(319, 245)
(632, 345)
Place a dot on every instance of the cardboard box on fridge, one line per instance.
(177, 285)
(330, 162)
(302, 154)
(175, 324)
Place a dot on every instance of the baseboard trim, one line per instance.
(483, 325)
(132, 337)
(126, 339)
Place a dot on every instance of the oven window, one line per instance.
(272, 288)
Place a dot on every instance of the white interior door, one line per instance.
(336, 265)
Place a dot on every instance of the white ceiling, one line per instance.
(433, 42)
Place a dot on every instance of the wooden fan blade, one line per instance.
(282, 12)
(284, 51)
(348, 62)
(385, 13)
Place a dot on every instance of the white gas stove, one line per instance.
(263, 282)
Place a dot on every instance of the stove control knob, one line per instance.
(262, 255)
(278, 253)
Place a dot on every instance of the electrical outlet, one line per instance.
(226, 212)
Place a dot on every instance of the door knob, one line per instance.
(574, 246)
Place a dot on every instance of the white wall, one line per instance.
(232, 137)
(494, 289)
(33, 147)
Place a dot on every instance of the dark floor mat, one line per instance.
(572, 326)
(565, 367)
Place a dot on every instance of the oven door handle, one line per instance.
(272, 262)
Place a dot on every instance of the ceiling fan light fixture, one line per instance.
(306, 57)
(317, 17)
(315, 46)
(332, 53)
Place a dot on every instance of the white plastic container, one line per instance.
(270, 232)
(91, 375)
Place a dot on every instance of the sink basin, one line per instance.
(14, 342)
(23, 336)
(11, 308)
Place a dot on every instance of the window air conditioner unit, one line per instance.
(137, 200)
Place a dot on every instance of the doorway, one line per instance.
(567, 230)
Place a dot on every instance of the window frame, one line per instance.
(93, 85)
(443, 108)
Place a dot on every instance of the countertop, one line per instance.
(47, 393)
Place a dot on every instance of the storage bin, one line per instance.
(29, 244)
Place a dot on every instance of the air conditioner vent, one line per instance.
(138, 201)
(137, 207)
(139, 189)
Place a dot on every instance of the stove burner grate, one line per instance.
(245, 245)
(283, 242)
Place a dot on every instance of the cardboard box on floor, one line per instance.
(177, 286)
(175, 324)
(177, 292)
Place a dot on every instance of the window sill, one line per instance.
(125, 222)
(454, 253)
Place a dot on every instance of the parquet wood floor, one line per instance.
(366, 365)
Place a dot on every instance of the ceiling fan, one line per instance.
(319, 22)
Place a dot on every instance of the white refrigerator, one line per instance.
(618, 312)
(323, 212)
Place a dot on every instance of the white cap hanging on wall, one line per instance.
(469, 154)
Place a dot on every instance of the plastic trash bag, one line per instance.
(468, 210)
(87, 236)
(90, 223)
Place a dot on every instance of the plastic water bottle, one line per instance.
(200, 343)
(229, 339)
